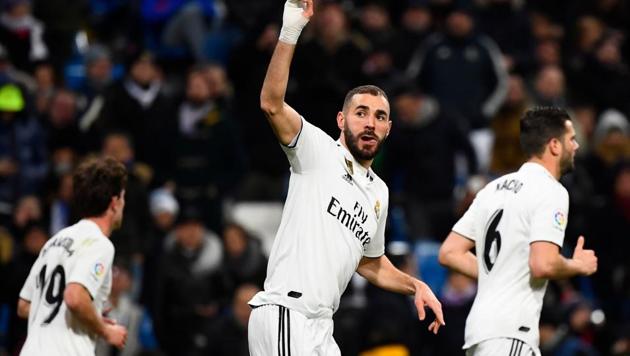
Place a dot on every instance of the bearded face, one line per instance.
(365, 125)
(567, 162)
(569, 147)
(364, 146)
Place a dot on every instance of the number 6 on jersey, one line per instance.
(492, 244)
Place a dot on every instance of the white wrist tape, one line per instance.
(292, 22)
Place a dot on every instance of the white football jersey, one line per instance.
(508, 215)
(334, 215)
(77, 254)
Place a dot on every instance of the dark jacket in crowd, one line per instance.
(464, 74)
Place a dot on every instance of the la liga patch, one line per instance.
(99, 269)
(559, 220)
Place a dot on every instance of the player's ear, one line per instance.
(112, 204)
(340, 120)
(555, 147)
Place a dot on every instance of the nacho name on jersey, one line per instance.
(510, 184)
(354, 220)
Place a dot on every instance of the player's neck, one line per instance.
(364, 164)
(552, 167)
(104, 224)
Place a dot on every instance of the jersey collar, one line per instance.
(352, 166)
(91, 225)
(536, 167)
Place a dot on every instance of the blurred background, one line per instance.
(171, 87)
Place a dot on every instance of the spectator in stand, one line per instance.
(462, 68)
(130, 239)
(23, 153)
(60, 121)
(426, 138)
(209, 160)
(548, 53)
(138, 105)
(610, 224)
(125, 311)
(265, 178)
(244, 260)
(60, 214)
(611, 144)
(179, 24)
(10, 74)
(44, 75)
(457, 297)
(164, 211)
(549, 87)
(30, 241)
(603, 78)
(416, 24)
(556, 338)
(508, 23)
(376, 25)
(507, 155)
(189, 292)
(22, 34)
(98, 71)
(92, 89)
(229, 335)
(63, 20)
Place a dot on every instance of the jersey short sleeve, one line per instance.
(30, 284)
(466, 225)
(376, 246)
(549, 217)
(308, 149)
(93, 262)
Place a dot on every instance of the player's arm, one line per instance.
(382, 273)
(23, 308)
(545, 261)
(79, 302)
(284, 120)
(455, 254)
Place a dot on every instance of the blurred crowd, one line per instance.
(170, 88)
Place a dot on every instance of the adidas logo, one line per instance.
(348, 178)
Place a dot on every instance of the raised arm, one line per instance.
(382, 273)
(284, 120)
(545, 261)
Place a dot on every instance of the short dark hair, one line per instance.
(95, 182)
(363, 89)
(539, 125)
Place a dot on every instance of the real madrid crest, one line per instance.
(349, 165)
(377, 208)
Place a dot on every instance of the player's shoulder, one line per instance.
(309, 129)
(495, 184)
(541, 185)
(86, 234)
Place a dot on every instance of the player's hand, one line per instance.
(586, 258)
(296, 11)
(296, 15)
(425, 297)
(115, 335)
